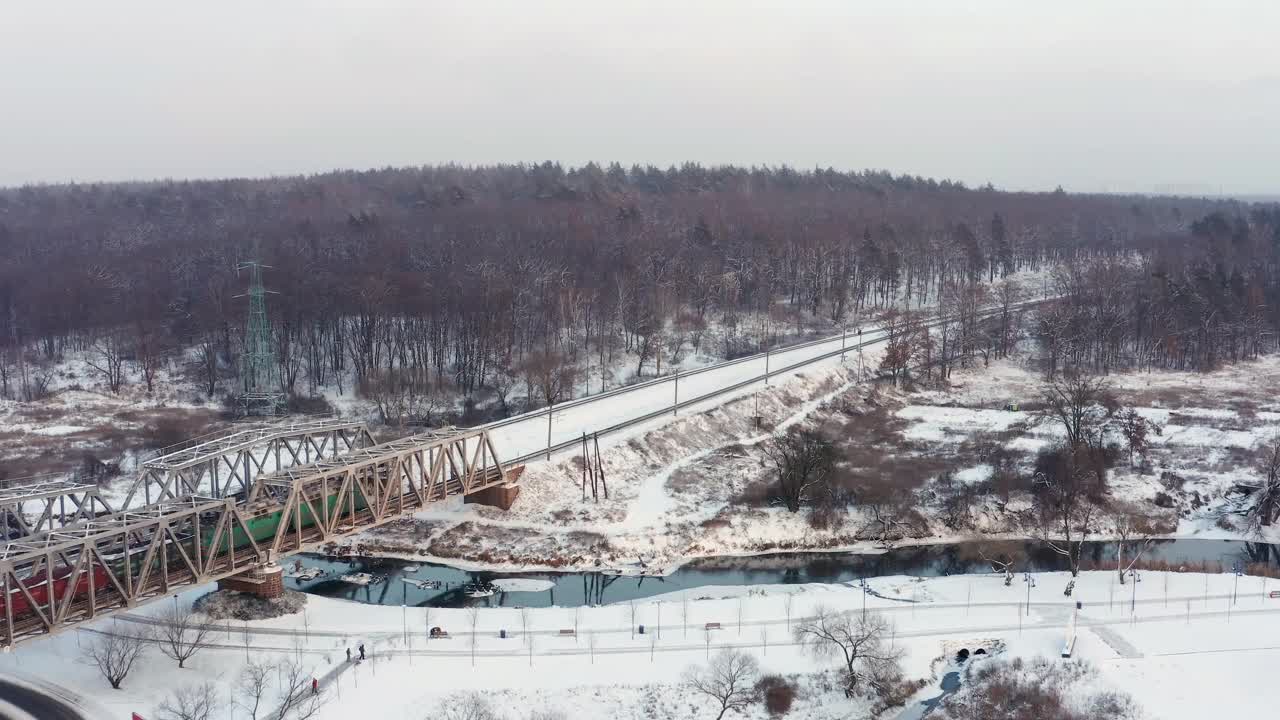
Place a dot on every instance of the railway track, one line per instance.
(839, 344)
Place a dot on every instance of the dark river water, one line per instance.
(572, 589)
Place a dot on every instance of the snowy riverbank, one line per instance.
(1159, 639)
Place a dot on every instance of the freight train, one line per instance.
(262, 527)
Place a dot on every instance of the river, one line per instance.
(442, 586)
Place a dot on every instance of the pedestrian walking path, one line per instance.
(1115, 641)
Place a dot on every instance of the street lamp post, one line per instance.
(1133, 593)
(1031, 582)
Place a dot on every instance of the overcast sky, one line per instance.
(1165, 95)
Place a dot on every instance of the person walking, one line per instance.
(348, 654)
(361, 651)
(315, 686)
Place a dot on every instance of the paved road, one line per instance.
(33, 703)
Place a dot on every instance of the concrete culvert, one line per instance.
(962, 655)
(979, 651)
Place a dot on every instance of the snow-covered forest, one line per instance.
(532, 282)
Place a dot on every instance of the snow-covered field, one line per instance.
(1214, 425)
(1179, 653)
(81, 417)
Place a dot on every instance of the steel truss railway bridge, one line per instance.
(225, 510)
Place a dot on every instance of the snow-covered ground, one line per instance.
(51, 437)
(1214, 425)
(679, 488)
(1182, 652)
(661, 508)
(532, 432)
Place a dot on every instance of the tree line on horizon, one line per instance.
(490, 282)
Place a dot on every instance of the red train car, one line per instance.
(38, 586)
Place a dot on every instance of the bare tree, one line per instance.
(908, 341)
(1002, 557)
(191, 702)
(956, 501)
(1134, 528)
(728, 679)
(550, 374)
(1082, 405)
(1137, 430)
(802, 458)
(207, 353)
(891, 503)
(254, 681)
(107, 358)
(183, 632)
(1008, 293)
(1266, 505)
(1067, 483)
(297, 701)
(861, 642)
(114, 654)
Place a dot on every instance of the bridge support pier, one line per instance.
(499, 496)
(265, 582)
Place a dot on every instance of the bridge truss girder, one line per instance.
(67, 576)
(227, 465)
(374, 485)
(60, 578)
(35, 508)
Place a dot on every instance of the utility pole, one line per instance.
(862, 371)
(675, 403)
(551, 406)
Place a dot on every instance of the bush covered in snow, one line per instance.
(230, 604)
(1036, 690)
(777, 692)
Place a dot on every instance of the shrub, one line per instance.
(1040, 689)
(778, 693)
(229, 604)
(309, 405)
(1163, 500)
(826, 516)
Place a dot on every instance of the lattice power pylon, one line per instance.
(262, 390)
